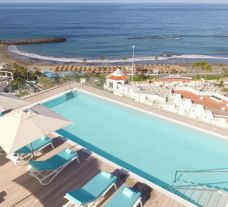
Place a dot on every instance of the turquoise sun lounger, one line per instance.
(38, 144)
(50, 168)
(125, 197)
(91, 193)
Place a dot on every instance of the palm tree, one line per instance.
(207, 68)
(224, 70)
(202, 65)
(196, 66)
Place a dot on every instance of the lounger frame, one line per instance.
(42, 176)
(138, 202)
(21, 155)
(94, 203)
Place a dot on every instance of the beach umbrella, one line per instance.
(8, 102)
(100, 70)
(71, 67)
(92, 69)
(65, 68)
(21, 128)
(74, 68)
(56, 69)
(61, 68)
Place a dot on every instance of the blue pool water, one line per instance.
(152, 147)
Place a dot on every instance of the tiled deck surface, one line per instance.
(19, 189)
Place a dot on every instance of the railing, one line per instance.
(63, 86)
(199, 171)
(199, 194)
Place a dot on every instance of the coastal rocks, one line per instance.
(33, 41)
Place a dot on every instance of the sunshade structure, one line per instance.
(23, 127)
(8, 102)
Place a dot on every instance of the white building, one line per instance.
(116, 80)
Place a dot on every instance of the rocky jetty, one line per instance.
(33, 41)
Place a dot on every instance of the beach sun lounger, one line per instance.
(37, 145)
(125, 197)
(92, 192)
(29, 149)
(45, 171)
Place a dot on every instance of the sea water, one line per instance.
(169, 31)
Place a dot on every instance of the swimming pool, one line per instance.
(149, 146)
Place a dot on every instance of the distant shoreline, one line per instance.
(161, 59)
(9, 58)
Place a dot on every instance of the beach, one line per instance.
(6, 57)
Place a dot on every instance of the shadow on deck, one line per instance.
(19, 189)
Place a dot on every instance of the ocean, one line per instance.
(160, 32)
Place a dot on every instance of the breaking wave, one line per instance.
(14, 50)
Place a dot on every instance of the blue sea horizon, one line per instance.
(171, 32)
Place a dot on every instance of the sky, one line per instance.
(114, 1)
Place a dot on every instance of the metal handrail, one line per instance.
(203, 187)
(193, 187)
(197, 171)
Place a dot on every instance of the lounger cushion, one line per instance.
(128, 192)
(105, 174)
(36, 145)
(54, 162)
(69, 151)
(99, 184)
(92, 190)
(80, 196)
(121, 200)
(41, 166)
(44, 138)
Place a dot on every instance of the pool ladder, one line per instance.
(180, 172)
(199, 194)
(68, 87)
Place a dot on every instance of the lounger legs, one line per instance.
(51, 175)
(52, 145)
(138, 203)
(68, 204)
